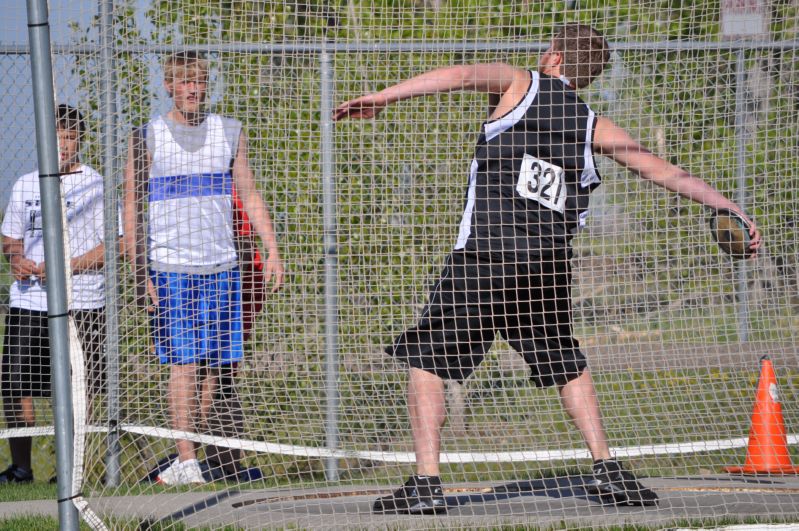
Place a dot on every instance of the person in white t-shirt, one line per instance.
(26, 348)
(184, 166)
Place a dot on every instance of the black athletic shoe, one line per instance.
(618, 486)
(14, 474)
(419, 495)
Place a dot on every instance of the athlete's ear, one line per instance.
(168, 87)
(555, 58)
(550, 59)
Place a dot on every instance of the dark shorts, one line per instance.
(528, 303)
(26, 351)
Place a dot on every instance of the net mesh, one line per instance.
(315, 417)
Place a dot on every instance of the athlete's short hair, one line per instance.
(185, 64)
(585, 53)
(69, 118)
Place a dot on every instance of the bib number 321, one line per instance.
(543, 182)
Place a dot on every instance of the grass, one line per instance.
(27, 491)
(36, 523)
(32, 522)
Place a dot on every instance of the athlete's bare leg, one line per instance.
(209, 381)
(221, 414)
(427, 409)
(183, 407)
(581, 403)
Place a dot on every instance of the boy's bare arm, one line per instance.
(135, 178)
(614, 142)
(493, 78)
(257, 212)
(129, 204)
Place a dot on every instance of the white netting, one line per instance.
(365, 213)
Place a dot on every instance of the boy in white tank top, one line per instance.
(185, 165)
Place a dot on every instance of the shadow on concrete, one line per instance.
(556, 488)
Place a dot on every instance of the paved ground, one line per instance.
(543, 503)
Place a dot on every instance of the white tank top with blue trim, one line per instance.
(190, 218)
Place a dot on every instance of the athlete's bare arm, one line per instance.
(129, 198)
(509, 82)
(130, 214)
(614, 142)
(258, 213)
(92, 260)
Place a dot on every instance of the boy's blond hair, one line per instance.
(185, 65)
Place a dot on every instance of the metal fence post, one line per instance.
(108, 138)
(331, 264)
(53, 231)
(742, 292)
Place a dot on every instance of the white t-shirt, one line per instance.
(83, 194)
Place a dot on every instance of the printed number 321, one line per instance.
(543, 182)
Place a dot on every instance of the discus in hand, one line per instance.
(731, 232)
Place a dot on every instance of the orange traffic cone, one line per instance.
(767, 452)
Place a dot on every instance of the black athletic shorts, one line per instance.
(26, 351)
(529, 303)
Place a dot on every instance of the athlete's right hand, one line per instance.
(24, 269)
(363, 107)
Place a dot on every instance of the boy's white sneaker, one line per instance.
(181, 473)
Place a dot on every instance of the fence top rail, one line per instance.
(416, 46)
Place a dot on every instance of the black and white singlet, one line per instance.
(531, 175)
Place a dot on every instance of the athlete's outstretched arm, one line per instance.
(614, 142)
(493, 78)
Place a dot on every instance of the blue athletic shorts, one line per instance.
(198, 319)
